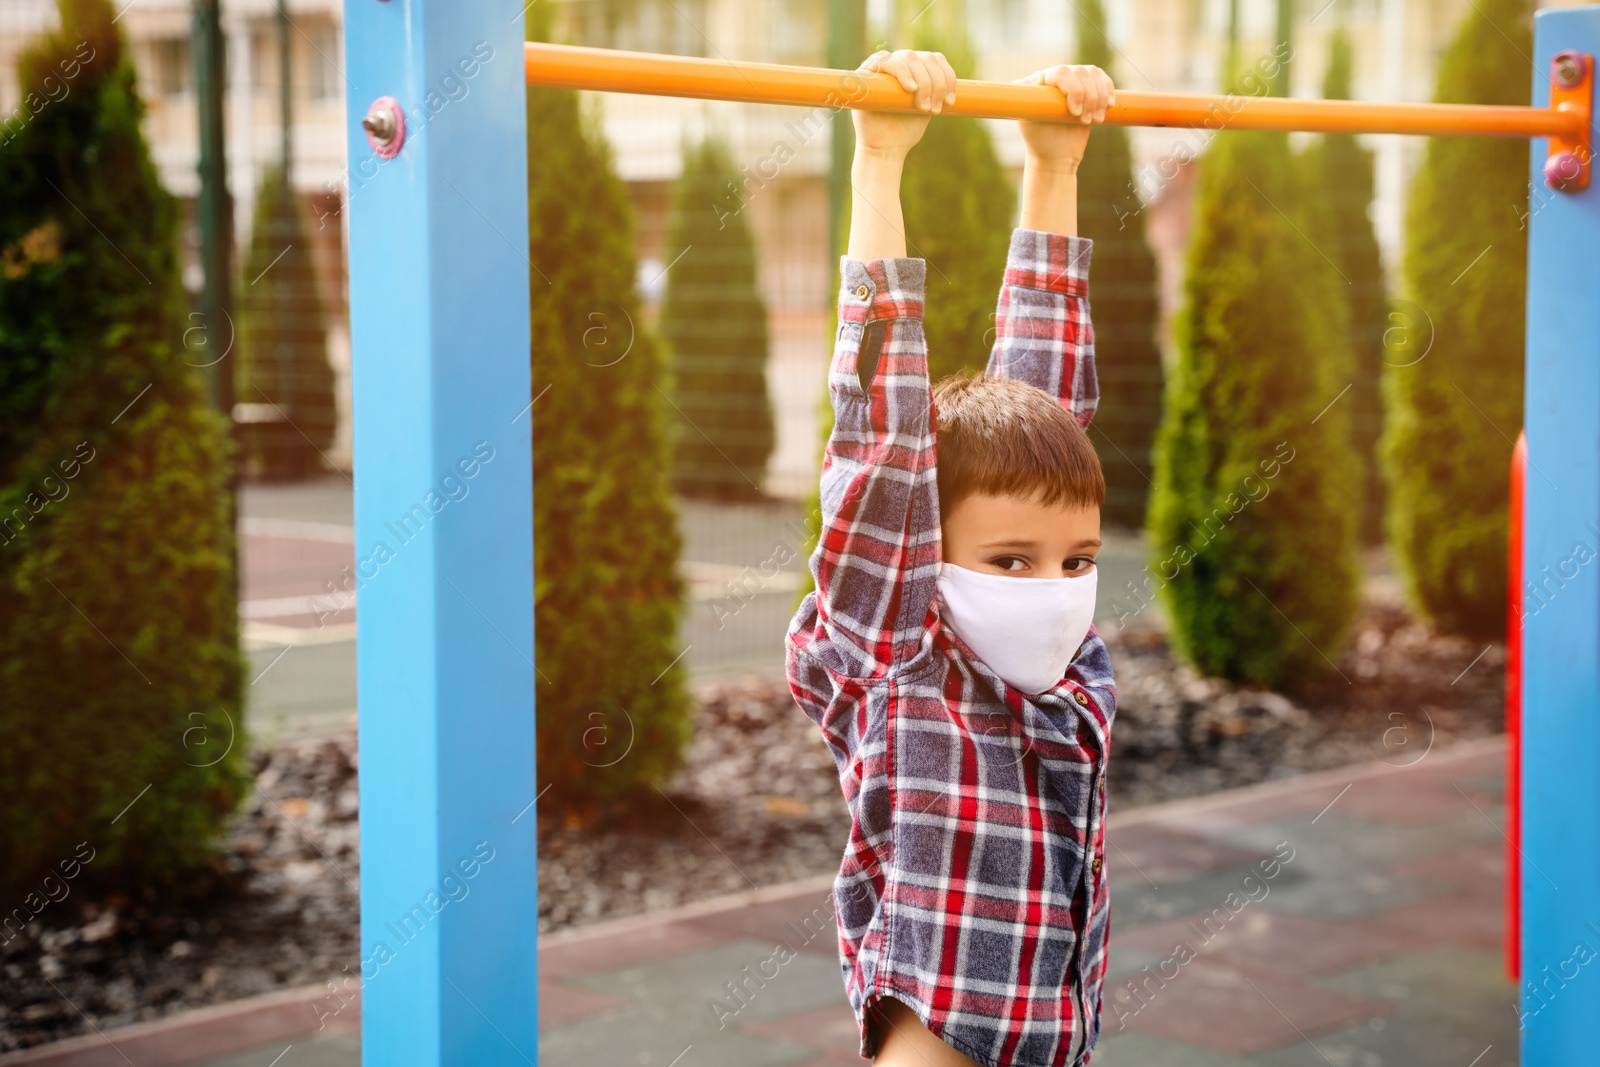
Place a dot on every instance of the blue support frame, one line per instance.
(444, 534)
(1561, 636)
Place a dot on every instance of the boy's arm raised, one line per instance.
(877, 558)
(1043, 334)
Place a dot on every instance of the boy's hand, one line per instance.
(928, 75)
(1088, 91)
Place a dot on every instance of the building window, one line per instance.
(324, 58)
(174, 73)
(675, 26)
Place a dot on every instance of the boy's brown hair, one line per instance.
(1008, 438)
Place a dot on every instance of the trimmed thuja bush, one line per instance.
(715, 324)
(1342, 170)
(1251, 521)
(119, 650)
(1453, 409)
(1127, 304)
(283, 368)
(612, 709)
(959, 206)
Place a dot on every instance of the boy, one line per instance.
(967, 707)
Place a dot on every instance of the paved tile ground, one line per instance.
(1346, 919)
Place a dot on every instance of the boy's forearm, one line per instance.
(877, 226)
(1049, 197)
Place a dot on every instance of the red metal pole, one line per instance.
(1513, 835)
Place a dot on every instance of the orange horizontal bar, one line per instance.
(656, 74)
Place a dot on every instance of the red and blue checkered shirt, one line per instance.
(973, 886)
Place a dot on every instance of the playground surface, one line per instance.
(1374, 941)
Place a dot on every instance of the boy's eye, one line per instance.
(1078, 565)
(1009, 563)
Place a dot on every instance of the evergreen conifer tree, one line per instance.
(714, 321)
(119, 649)
(1453, 401)
(283, 352)
(1127, 302)
(1250, 524)
(1342, 171)
(613, 711)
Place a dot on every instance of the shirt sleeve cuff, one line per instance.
(874, 289)
(1052, 261)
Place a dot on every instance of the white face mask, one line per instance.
(1026, 630)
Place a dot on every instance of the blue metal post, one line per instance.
(1560, 1008)
(444, 533)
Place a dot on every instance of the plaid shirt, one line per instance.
(972, 887)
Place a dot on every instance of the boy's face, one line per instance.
(1021, 538)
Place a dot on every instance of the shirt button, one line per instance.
(862, 292)
(1081, 698)
(1096, 865)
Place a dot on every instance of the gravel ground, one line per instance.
(757, 803)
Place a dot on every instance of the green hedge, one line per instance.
(1125, 292)
(607, 595)
(1251, 526)
(714, 321)
(1453, 412)
(282, 356)
(119, 653)
(1342, 171)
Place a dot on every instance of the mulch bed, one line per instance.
(757, 803)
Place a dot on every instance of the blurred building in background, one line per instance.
(1166, 45)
